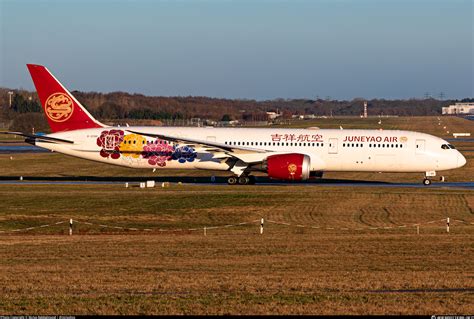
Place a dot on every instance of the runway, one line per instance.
(222, 182)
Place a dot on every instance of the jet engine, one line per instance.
(289, 167)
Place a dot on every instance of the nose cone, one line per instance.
(461, 160)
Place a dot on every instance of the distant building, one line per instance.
(459, 108)
(273, 115)
(296, 116)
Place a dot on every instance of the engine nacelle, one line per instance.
(289, 167)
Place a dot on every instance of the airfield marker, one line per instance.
(70, 227)
(261, 227)
(205, 231)
(417, 229)
(447, 225)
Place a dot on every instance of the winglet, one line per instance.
(62, 110)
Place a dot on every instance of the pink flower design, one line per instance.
(157, 153)
(110, 143)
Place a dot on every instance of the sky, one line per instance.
(338, 49)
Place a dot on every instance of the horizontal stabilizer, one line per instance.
(39, 138)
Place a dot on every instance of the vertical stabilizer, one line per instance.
(62, 110)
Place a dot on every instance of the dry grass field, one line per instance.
(326, 249)
(344, 267)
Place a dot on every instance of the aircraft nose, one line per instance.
(461, 160)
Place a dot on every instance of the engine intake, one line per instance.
(289, 167)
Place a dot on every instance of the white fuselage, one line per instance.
(328, 149)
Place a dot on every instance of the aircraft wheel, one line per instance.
(232, 180)
(244, 180)
(427, 181)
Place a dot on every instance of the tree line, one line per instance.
(123, 106)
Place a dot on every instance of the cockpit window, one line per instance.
(447, 147)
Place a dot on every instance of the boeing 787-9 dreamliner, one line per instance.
(282, 153)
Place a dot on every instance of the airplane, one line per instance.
(282, 153)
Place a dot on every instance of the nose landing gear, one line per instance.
(427, 180)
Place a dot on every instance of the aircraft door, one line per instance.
(332, 146)
(419, 146)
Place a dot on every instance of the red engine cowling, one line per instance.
(290, 167)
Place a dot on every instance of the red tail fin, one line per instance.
(62, 110)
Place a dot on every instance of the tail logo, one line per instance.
(59, 107)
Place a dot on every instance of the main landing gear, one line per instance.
(241, 180)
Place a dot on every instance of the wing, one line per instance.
(40, 138)
(220, 150)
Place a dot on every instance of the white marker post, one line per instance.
(261, 227)
(417, 229)
(205, 231)
(447, 225)
(70, 227)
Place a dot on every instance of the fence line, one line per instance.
(259, 222)
(166, 230)
(463, 221)
(30, 228)
(359, 228)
